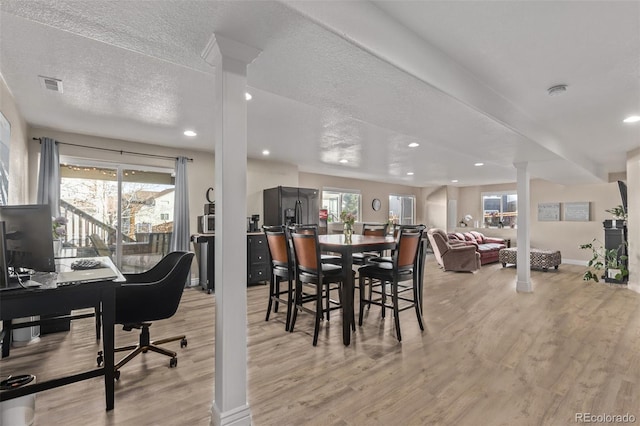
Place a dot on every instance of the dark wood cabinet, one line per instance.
(257, 259)
(615, 238)
(258, 269)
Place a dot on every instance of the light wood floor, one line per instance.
(488, 356)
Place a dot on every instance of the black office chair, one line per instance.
(150, 296)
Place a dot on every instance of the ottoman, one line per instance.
(543, 259)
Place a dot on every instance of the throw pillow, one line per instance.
(479, 237)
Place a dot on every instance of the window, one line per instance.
(402, 209)
(499, 209)
(121, 204)
(338, 200)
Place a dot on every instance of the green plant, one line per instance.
(618, 212)
(59, 227)
(603, 259)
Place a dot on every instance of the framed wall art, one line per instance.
(548, 212)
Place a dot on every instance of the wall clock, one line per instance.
(375, 204)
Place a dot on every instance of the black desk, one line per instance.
(48, 300)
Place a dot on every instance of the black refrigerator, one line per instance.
(286, 205)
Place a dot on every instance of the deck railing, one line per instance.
(80, 225)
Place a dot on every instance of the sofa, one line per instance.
(453, 257)
(488, 247)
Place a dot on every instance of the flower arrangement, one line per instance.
(348, 218)
(59, 227)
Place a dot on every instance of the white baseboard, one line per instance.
(575, 262)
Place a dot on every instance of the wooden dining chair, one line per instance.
(385, 278)
(372, 229)
(318, 278)
(281, 270)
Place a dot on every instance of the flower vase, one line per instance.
(348, 232)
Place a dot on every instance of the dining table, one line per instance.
(359, 243)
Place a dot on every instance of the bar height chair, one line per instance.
(313, 274)
(385, 279)
(373, 229)
(281, 270)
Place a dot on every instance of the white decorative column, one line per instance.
(230, 59)
(633, 221)
(523, 283)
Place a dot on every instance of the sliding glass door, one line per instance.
(147, 217)
(402, 209)
(121, 211)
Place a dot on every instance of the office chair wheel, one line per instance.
(173, 362)
(116, 374)
(183, 343)
(100, 359)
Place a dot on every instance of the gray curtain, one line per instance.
(181, 234)
(49, 176)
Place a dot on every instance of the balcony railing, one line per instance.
(80, 225)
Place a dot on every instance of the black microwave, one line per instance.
(206, 224)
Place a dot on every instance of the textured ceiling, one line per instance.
(346, 80)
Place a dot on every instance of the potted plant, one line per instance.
(609, 261)
(619, 214)
(615, 265)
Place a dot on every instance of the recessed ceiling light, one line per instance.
(632, 119)
(556, 90)
(413, 144)
(409, 173)
(247, 96)
(190, 133)
(479, 164)
(454, 181)
(265, 152)
(344, 161)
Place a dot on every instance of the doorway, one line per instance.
(123, 211)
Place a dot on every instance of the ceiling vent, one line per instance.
(50, 83)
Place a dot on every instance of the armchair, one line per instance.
(453, 257)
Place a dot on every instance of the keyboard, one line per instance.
(82, 264)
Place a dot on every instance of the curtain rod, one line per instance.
(121, 152)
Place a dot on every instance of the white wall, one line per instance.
(434, 201)
(18, 155)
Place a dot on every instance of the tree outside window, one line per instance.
(338, 200)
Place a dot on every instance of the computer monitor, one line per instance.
(28, 237)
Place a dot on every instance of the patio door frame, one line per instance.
(119, 168)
